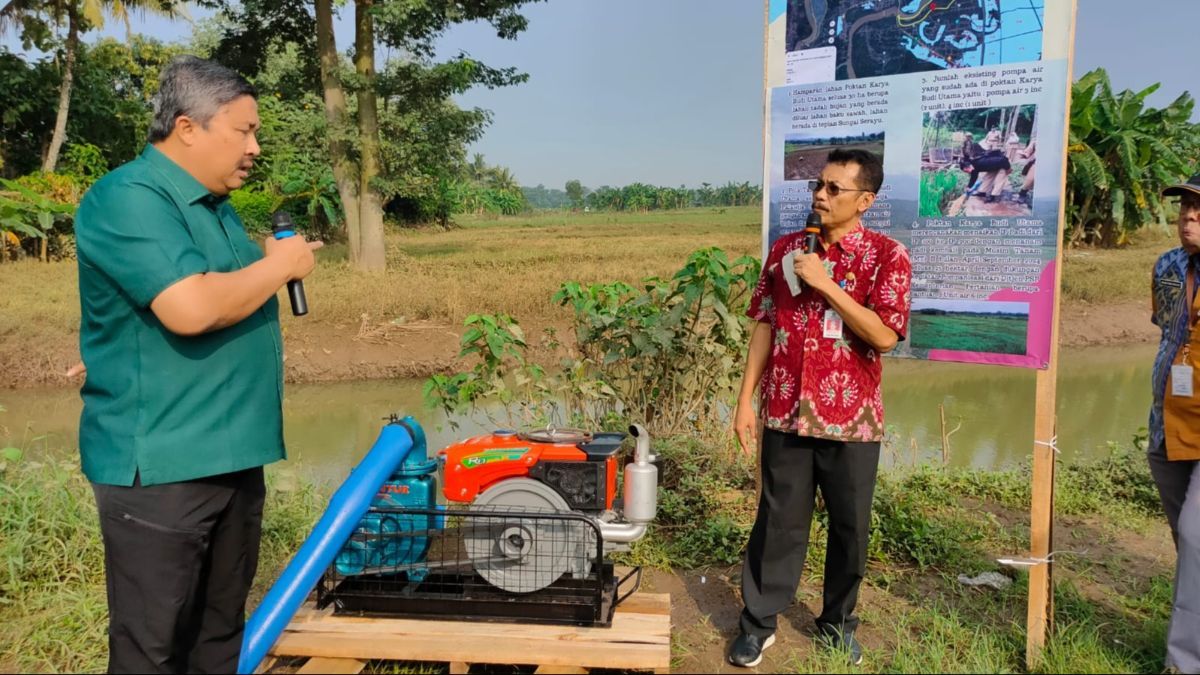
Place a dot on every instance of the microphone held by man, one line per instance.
(812, 228)
(282, 228)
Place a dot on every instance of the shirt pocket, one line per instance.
(1168, 296)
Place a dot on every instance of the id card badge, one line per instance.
(833, 326)
(1181, 381)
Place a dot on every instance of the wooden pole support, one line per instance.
(1040, 615)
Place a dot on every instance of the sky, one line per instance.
(669, 92)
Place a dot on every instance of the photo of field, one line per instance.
(803, 157)
(970, 326)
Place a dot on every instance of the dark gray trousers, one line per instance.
(1179, 488)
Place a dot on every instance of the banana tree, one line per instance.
(26, 214)
(1120, 157)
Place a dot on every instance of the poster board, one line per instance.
(947, 91)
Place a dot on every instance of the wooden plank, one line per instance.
(652, 629)
(459, 668)
(322, 664)
(560, 670)
(446, 648)
(309, 612)
(645, 603)
(637, 640)
(1041, 532)
(1040, 610)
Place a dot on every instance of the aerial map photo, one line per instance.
(874, 38)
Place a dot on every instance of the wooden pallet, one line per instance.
(639, 639)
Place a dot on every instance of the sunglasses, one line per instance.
(831, 189)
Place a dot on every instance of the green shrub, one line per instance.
(255, 208)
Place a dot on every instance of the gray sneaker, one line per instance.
(843, 642)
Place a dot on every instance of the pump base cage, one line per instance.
(525, 566)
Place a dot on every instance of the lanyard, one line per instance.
(1193, 308)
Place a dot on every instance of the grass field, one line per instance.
(511, 265)
(508, 265)
(1112, 600)
(969, 332)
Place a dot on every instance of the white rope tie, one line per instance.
(1032, 562)
(1052, 443)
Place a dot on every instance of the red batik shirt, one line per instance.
(829, 387)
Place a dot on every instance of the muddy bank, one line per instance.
(320, 352)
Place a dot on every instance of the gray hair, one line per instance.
(194, 87)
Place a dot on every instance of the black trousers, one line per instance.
(793, 469)
(179, 560)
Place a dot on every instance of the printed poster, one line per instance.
(966, 102)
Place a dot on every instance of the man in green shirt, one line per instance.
(184, 359)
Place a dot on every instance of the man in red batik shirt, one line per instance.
(818, 357)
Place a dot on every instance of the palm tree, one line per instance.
(80, 16)
(502, 179)
(477, 170)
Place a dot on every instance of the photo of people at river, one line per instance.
(979, 162)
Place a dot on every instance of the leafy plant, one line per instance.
(672, 350)
(255, 207)
(938, 189)
(315, 194)
(498, 343)
(85, 163)
(26, 213)
(666, 356)
(1121, 155)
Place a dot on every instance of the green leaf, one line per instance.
(292, 187)
(495, 345)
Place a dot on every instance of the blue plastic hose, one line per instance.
(346, 508)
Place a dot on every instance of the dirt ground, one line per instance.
(705, 603)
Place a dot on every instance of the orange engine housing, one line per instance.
(474, 465)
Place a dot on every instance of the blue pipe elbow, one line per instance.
(346, 508)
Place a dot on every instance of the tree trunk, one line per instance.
(64, 91)
(370, 205)
(338, 123)
(1079, 234)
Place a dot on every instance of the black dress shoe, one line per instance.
(747, 650)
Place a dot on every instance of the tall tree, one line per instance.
(110, 103)
(39, 18)
(575, 193)
(394, 131)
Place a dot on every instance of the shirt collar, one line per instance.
(186, 185)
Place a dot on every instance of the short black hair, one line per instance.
(870, 166)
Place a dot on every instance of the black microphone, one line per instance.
(282, 228)
(812, 227)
